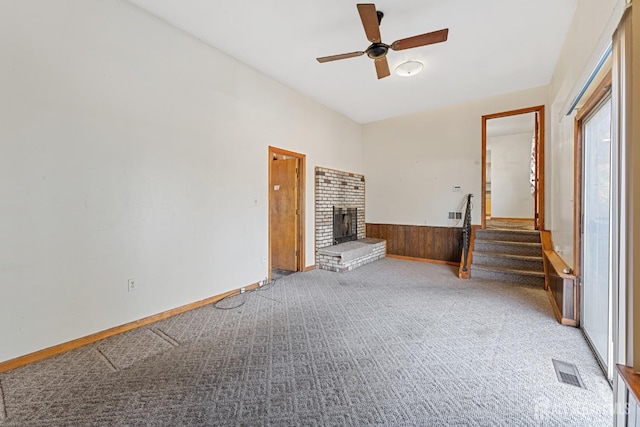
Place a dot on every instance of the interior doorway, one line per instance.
(286, 212)
(513, 169)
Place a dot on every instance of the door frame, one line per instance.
(300, 234)
(601, 92)
(540, 135)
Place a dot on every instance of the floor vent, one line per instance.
(567, 373)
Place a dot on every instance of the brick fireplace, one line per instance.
(340, 225)
(340, 189)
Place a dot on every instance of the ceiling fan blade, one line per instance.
(341, 56)
(421, 40)
(382, 67)
(369, 18)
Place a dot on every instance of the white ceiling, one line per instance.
(494, 47)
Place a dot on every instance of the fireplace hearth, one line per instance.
(345, 224)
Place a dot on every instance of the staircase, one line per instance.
(513, 256)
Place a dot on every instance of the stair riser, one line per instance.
(516, 264)
(503, 248)
(510, 236)
(514, 278)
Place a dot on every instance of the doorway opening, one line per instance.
(513, 169)
(286, 212)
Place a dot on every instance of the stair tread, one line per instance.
(510, 230)
(508, 242)
(508, 270)
(503, 255)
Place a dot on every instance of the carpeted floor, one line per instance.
(394, 343)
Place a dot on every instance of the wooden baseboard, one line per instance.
(90, 339)
(429, 261)
(309, 268)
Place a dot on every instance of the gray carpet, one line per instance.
(394, 343)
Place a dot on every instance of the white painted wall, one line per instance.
(588, 37)
(131, 150)
(411, 163)
(510, 176)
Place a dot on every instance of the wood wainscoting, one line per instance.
(420, 241)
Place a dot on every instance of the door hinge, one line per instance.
(296, 252)
(297, 211)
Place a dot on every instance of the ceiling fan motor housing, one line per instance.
(377, 50)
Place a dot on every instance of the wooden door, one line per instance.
(283, 199)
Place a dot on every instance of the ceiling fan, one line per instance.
(377, 51)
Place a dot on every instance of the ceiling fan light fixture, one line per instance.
(409, 68)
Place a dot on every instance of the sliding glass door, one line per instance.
(596, 236)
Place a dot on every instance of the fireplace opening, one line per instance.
(345, 224)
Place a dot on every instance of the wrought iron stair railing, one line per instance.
(466, 238)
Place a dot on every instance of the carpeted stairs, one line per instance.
(513, 256)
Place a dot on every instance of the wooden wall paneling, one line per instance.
(456, 248)
(409, 247)
(382, 234)
(415, 241)
(453, 238)
(428, 243)
(392, 232)
(422, 243)
(438, 244)
(401, 239)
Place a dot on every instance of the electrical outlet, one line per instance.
(242, 290)
(458, 215)
(131, 285)
(452, 215)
